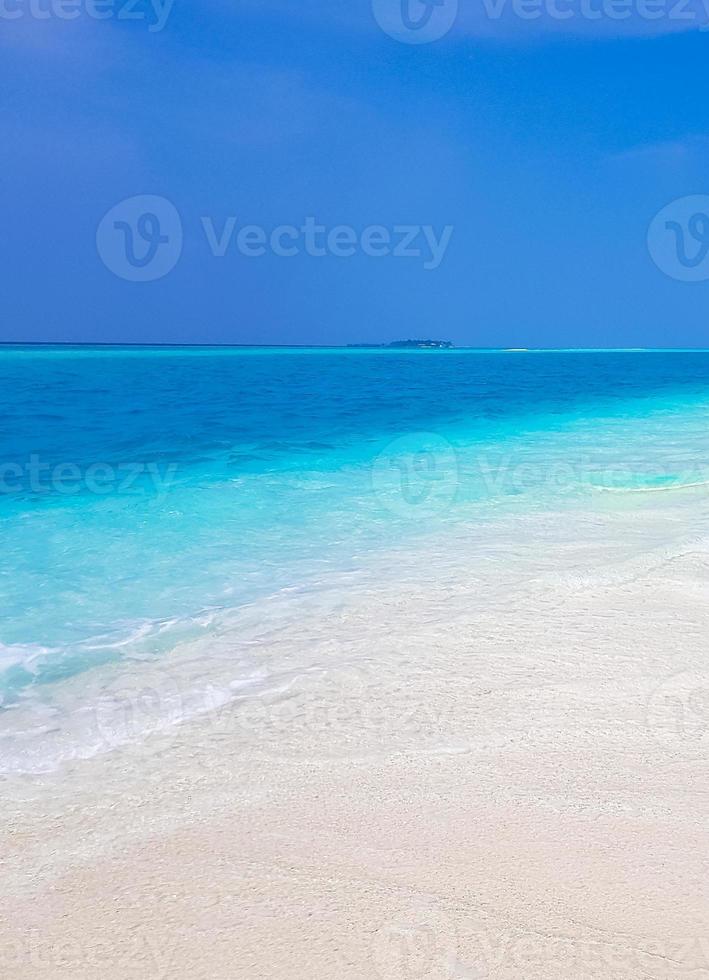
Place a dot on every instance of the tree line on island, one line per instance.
(408, 344)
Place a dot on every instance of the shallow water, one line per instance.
(195, 508)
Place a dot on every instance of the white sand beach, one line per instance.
(473, 788)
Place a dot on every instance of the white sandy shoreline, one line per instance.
(509, 791)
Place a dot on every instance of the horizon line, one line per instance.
(382, 346)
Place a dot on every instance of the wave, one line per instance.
(668, 488)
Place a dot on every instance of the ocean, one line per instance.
(196, 517)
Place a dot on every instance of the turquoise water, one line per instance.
(145, 491)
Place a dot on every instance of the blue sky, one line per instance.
(546, 147)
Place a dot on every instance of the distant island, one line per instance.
(408, 344)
